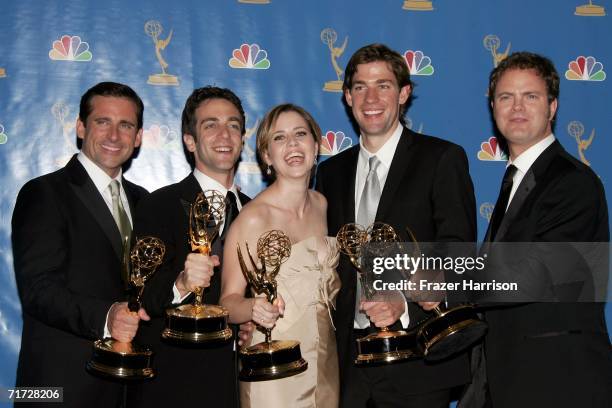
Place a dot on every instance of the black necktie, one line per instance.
(231, 212)
(502, 200)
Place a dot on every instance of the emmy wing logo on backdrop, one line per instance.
(590, 10)
(491, 43)
(249, 57)
(418, 5)
(248, 163)
(153, 29)
(486, 210)
(160, 138)
(490, 151)
(334, 142)
(585, 69)
(409, 125)
(329, 37)
(3, 136)
(418, 63)
(576, 129)
(2, 73)
(60, 112)
(70, 48)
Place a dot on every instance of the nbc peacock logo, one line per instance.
(160, 137)
(3, 136)
(418, 63)
(334, 143)
(70, 48)
(490, 151)
(249, 56)
(585, 69)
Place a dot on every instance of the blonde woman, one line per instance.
(288, 142)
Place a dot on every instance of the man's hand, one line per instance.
(383, 314)
(197, 273)
(429, 305)
(122, 323)
(265, 313)
(245, 335)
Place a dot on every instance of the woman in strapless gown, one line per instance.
(307, 283)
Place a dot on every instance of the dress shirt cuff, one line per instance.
(176, 295)
(107, 332)
(405, 317)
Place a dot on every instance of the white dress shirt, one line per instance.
(525, 160)
(385, 155)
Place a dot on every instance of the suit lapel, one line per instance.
(396, 174)
(527, 185)
(87, 192)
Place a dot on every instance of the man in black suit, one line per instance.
(67, 249)
(552, 353)
(213, 126)
(426, 187)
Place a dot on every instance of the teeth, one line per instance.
(111, 148)
(372, 112)
(295, 154)
(223, 149)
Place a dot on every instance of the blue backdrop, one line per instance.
(277, 51)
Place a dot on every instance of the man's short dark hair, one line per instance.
(523, 60)
(188, 121)
(374, 53)
(110, 89)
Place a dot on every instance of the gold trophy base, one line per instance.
(333, 86)
(2, 73)
(417, 5)
(271, 361)
(386, 347)
(190, 324)
(163, 79)
(450, 332)
(590, 10)
(123, 361)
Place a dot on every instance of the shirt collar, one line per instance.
(208, 183)
(526, 159)
(99, 177)
(387, 151)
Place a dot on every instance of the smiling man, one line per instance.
(67, 246)
(407, 180)
(213, 126)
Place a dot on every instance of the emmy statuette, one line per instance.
(384, 346)
(450, 330)
(130, 361)
(198, 323)
(270, 359)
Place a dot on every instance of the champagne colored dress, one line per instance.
(308, 283)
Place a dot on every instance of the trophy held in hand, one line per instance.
(198, 323)
(130, 361)
(384, 346)
(270, 359)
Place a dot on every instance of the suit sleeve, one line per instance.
(154, 219)
(41, 243)
(454, 205)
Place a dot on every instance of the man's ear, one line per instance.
(189, 142)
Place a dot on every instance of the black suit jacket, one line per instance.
(551, 354)
(428, 189)
(66, 249)
(185, 376)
